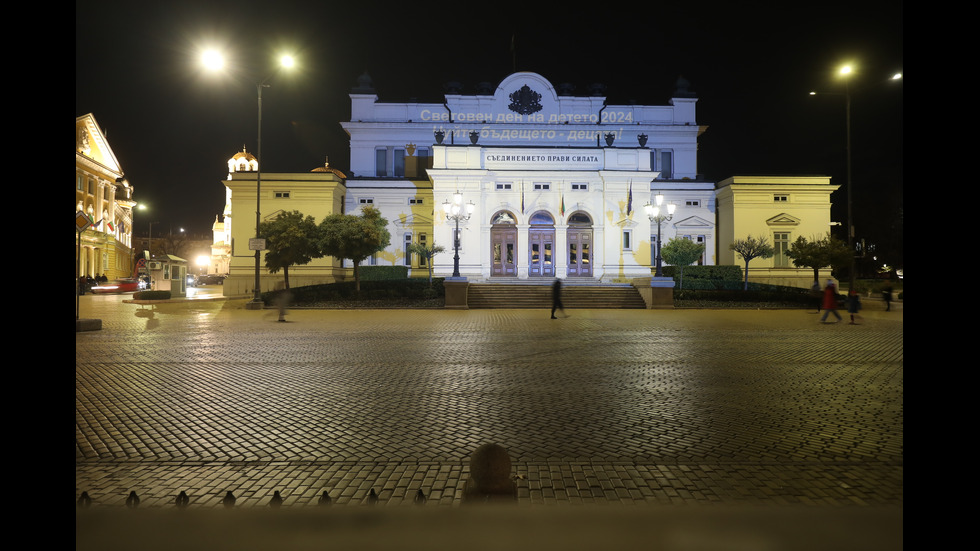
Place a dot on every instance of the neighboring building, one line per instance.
(779, 208)
(316, 193)
(106, 197)
(557, 184)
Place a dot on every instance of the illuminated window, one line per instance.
(780, 243)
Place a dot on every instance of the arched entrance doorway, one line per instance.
(503, 245)
(541, 245)
(579, 245)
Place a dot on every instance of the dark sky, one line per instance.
(173, 127)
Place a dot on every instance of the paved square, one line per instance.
(658, 407)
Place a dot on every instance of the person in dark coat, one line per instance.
(830, 301)
(556, 299)
(886, 295)
(853, 306)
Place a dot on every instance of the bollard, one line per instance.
(490, 479)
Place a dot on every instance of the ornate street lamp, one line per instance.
(455, 211)
(656, 214)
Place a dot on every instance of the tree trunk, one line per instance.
(745, 286)
(357, 278)
(285, 273)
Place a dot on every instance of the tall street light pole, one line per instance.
(214, 61)
(656, 214)
(845, 72)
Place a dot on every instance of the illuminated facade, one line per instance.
(106, 197)
(557, 184)
(316, 193)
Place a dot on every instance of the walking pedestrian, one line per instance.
(886, 295)
(556, 299)
(853, 306)
(830, 302)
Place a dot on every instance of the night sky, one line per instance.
(173, 127)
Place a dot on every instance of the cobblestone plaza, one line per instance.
(606, 406)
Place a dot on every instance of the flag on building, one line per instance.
(629, 200)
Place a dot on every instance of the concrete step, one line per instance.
(494, 295)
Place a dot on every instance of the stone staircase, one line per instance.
(591, 295)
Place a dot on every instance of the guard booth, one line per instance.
(169, 273)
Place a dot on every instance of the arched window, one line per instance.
(541, 218)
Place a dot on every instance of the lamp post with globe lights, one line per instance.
(657, 214)
(456, 211)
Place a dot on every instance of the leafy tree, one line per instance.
(354, 237)
(290, 240)
(750, 248)
(818, 252)
(426, 252)
(681, 252)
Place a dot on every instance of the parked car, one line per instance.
(210, 279)
(124, 285)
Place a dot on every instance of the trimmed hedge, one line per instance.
(407, 288)
(723, 273)
(757, 292)
(382, 273)
(151, 295)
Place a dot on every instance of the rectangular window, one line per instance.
(281, 194)
(780, 198)
(692, 203)
(414, 201)
(780, 244)
(366, 201)
(423, 261)
(408, 252)
(381, 162)
(580, 187)
(399, 163)
(501, 186)
(666, 164)
(542, 187)
(627, 240)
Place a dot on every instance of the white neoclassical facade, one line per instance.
(557, 182)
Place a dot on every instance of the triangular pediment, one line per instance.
(694, 222)
(91, 143)
(408, 221)
(783, 219)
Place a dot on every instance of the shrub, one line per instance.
(151, 295)
(383, 273)
(723, 273)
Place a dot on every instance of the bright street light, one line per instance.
(214, 61)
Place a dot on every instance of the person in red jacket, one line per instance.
(829, 301)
